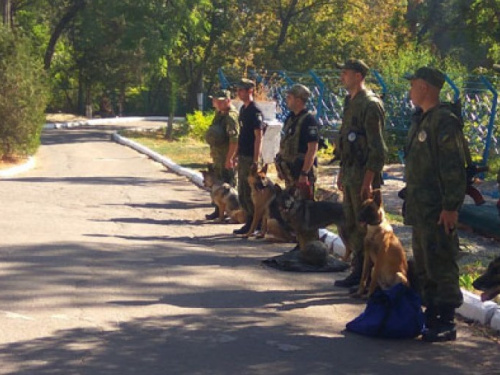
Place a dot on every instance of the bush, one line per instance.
(23, 96)
(199, 124)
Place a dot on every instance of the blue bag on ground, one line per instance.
(393, 313)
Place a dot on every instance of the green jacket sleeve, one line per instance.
(232, 126)
(374, 125)
(451, 161)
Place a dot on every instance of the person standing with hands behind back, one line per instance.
(362, 156)
(436, 182)
(249, 147)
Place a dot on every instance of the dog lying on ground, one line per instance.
(306, 216)
(265, 212)
(224, 197)
(489, 282)
(384, 255)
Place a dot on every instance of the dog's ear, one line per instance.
(377, 197)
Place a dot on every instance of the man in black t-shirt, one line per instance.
(296, 159)
(249, 146)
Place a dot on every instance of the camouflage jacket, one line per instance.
(223, 130)
(435, 166)
(361, 142)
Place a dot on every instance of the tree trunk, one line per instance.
(6, 11)
(71, 13)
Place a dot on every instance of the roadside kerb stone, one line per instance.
(29, 164)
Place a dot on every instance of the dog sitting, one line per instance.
(384, 255)
(224, 197)
(307, 216)
(489, 282)
(263, 196)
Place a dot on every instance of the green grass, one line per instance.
(182, 150)
(469, 273)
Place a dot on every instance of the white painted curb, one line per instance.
(106, 121)
(495, 321)
(195, 177)
(474, 309)
(30, 163)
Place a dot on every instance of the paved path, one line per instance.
(106, 269)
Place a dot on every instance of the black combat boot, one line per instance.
(245, 228)
(355, 277)
(444, 328)
(214, 215)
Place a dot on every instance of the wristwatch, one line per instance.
(303, 173)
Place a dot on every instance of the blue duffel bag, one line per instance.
(393, 313)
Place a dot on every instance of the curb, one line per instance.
(30, 163)
(195, 177)
(105, 121)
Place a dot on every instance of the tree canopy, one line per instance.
(154, 56)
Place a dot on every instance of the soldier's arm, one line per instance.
(451, 163)
(312, 149)
(374, 127)
(257, 146)
(232, 129)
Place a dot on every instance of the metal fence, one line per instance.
(477, 94)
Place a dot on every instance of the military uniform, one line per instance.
(250, 119)
(223, 131)
(436, 181)
(361, 147)
(298, 131)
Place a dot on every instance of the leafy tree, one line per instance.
(22, 96)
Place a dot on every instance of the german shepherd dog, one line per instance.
(265, 212)
(224, 197)
(306, 216)
(489, 282)
(384, 255)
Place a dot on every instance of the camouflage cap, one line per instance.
(221, 95)
(299, 91)
(356, 65)
(245, 83)
(430, 75)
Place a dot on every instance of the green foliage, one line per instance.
(199, 123)
(23, 96)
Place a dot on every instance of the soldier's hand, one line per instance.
(449, 220)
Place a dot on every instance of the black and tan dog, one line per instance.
(265, 212)
(224, 197)
(384, 255)
(306, 216)
(489, 282)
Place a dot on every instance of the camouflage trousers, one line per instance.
(244, 191)
(435, 255)
(354, 230)
(221, 173)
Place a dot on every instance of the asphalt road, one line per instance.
(107, 268)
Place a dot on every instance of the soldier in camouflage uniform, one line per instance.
(436, 182)
(222, 136)
(296, 160)
(362, 150)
